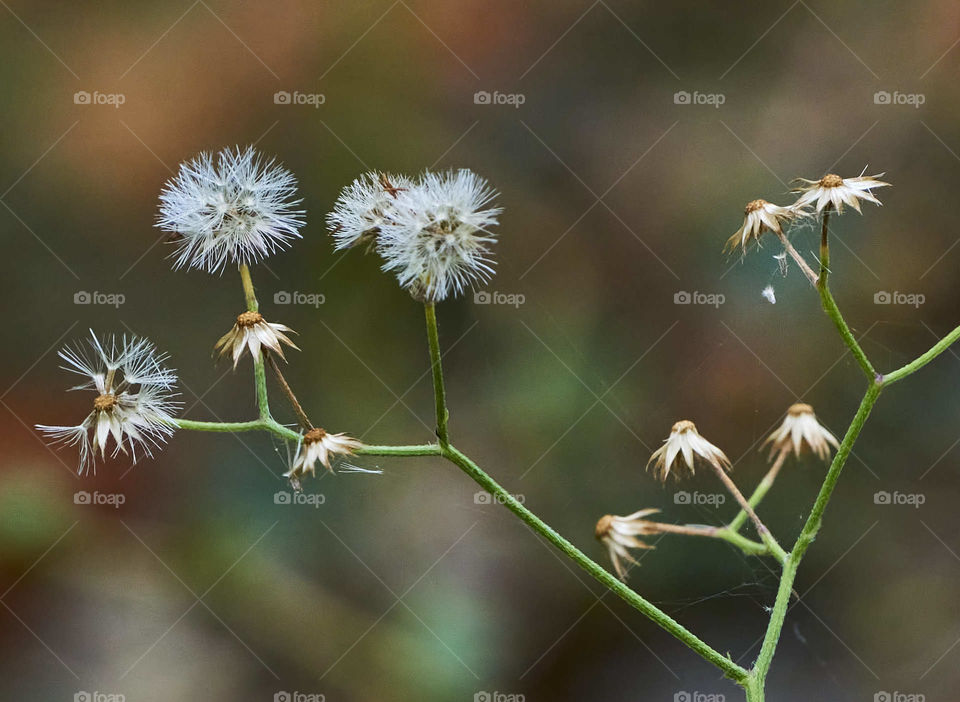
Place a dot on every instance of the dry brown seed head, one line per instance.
(800, 408)
(314, 435)
(682, 426)
(831, 180)
(603, 526)
(105, 403)
(248, 319)
(754, 205)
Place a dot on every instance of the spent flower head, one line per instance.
(318, 446)
(234, 207)
(800, 432)
(685, 443)
(134, 402)
(760, 217)
(619, 534)
(834, 191)
(251, 332)
(438, 239)
(363, 208)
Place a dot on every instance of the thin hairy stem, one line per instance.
(759, 493)
(795, 255)
(762, 530)
(439, 392)
(288, 391)
(259, 373)
(749, 547)
(731, 669)
(829, 304)
(922, 360)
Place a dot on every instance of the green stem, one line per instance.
(830, 306)
(923, 360)
(248, 292)
(225, 427)
(731, 669)
(761, 491)
(440, 398)
(807, 535)
(259, 371)
(761, 528)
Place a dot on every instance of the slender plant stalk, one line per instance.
(439, 392)
(259, 373)
(288, 391)
(759, 493)
(923, 359)
(795, 255)
(762, 530)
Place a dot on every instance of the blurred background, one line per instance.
(625, 139)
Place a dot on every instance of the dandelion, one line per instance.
(834, 191)
(134, 404)
(251, 332)
(438, 240)
(685, 441)
(760, 217)
(240, 209)
(769, 294)
(620, 533)
(364, 207)
(318, 446)
(801, 431)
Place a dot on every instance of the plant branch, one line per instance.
(762, 530)
(795, 255)
(440, 396)
(922, 360)
(759, 493)
(304, 420)
(259, 373)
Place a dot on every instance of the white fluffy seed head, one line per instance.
(234, 207)
(363, 207)
(437, 239)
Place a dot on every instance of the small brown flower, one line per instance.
(685, 441)
(801, 432)
(620, 533)
(318, 446)
(760, 217)
(834, 191)
(251, 332)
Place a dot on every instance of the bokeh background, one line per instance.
(618, 195)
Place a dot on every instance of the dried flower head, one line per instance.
(685, 441)
(800, 432)
(760, 217)
(438, 239)
(134, 402)
(250, 332)
(620, 533)
(832, 190)
(318, 446)
(240, 209)
(363, 207)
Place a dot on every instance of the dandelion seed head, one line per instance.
(769, 294)
(234, 207)
(363, 207)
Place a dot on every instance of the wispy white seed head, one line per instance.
(759, 217)
(619, 534)
(834, 191)
(769, 294)
(800, 432)
(251, 333)
(134, 403)
(363, 207)
(234, 207)
(438, 240)
(685, 443)
(318, 446)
